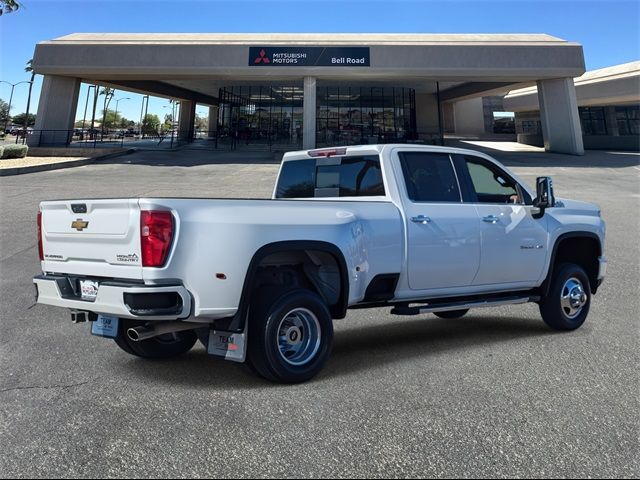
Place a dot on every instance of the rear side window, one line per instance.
(297, 179)
(429, 177)
(332, 177)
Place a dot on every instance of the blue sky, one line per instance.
(608, 29)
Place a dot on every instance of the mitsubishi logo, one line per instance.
(262, 58)
(79, 224)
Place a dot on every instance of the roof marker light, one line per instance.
(328, 152)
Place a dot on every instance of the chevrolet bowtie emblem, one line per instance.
(79, 224)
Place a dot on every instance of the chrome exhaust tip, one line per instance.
(139, 334)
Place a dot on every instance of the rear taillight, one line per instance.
(40, 249)
(156, 234)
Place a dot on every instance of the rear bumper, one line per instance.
(119, 299)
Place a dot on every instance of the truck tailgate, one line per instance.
(92, 237)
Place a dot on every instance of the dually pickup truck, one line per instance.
(419, 229)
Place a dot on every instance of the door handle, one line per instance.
(490, 219)
(421, 219)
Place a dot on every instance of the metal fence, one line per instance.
(221, 140)
(227, 141)
(96, 139)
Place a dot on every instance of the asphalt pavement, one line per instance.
(495, 394)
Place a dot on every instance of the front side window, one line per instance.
(429, 177)
(491, 185)
(337, 177)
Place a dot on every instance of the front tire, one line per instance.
(567, 303)
(290, 336)
(164, 346)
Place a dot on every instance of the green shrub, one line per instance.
(1, 150)
(15, 151)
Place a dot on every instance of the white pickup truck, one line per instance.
(415, 228)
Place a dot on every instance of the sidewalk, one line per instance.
(19, 166)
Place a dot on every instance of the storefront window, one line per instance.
(362, 115)
(345, 115)
(593, 120)
(267, 115)
(628, 119)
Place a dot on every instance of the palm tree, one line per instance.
(29, 69)
(108, 95)
(8, 6)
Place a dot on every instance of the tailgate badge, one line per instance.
(79, 224)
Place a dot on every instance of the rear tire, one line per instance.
(452, 314)
(164, 346)
(567, 303)
(290, 336)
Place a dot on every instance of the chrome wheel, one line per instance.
(573, 298)
(299, 337)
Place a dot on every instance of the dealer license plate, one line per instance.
(105, 327)
(88, 290)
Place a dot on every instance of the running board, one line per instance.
(463, 305)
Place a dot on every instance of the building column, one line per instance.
(469, 117)
(56, 111)
(213, 121)
(187, 120)
(309, 114)
(561, 129)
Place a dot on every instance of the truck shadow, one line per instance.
(366, 348)
(355, 350)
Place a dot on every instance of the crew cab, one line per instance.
(419, 229)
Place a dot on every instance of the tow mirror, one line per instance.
(544, 194)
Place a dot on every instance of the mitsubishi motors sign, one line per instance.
(309, 56)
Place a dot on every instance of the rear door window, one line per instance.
(429, 177)
(331, 177)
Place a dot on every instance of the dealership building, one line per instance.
(312, 90)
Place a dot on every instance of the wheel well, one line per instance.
(315, 270)
(581, 250)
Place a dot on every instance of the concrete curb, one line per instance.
(60, 165)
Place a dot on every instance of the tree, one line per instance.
(8, 6)
(4, 112)
(21, 119)
(110, 119)
(150, 124)
(29, 69)
(202, 123)
(168, 122)
(108, 95)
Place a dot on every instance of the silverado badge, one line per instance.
(79, 224)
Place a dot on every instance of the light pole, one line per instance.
(124, 98)
(143, 113)
(86, 104)
(13, 85)
(202, 116)
(116, 118)
(172, 106)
